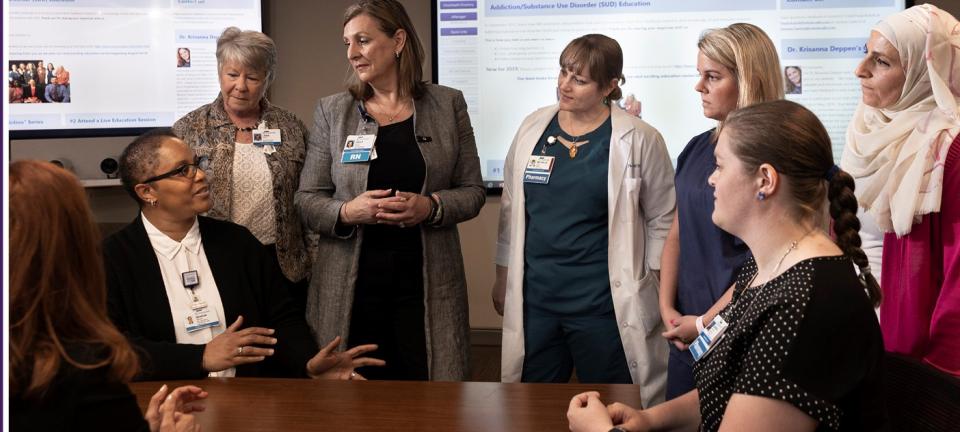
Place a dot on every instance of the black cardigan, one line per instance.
(77, 399)
(249, 282)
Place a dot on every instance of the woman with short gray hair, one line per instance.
(255, 151)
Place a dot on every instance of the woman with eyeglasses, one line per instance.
(198, 296)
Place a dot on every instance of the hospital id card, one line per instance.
(358, 148)
(539, 168)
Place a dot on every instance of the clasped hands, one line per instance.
(386, 206)
(681, 329)
(587, 413)
(235, 347)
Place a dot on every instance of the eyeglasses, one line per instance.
(188, 170)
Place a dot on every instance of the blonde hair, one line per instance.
(747, 52)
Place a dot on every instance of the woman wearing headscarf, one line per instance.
(255, 151)
(587, 202)
(902, 147)
(391, 169)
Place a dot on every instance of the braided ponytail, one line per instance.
(800, 151)
(846, 227)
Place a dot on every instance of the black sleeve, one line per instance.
(110, 404)
(79, 399)
(159, 360)
(761, 370)
(838, 351)
(295, 344)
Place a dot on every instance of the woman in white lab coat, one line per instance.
(580, 238)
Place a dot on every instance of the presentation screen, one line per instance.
(101, 67)
(504, 56)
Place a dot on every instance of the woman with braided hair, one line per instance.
(798, 348)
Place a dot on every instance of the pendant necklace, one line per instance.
(793, 245)
(390, 119)
(572, 145)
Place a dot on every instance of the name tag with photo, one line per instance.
(708, 338)
(358, 148)
(201, 317)
(538, 169)
(266, 137)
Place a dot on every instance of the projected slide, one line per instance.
(503, 54)
(102, 64)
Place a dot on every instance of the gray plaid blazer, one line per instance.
(452, 172)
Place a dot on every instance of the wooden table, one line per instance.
(262, 404)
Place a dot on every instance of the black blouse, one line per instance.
(399, 166)
(808, 337)
(78, 399)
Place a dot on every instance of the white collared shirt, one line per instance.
(176, 258)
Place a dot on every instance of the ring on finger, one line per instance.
(402, 225)
(240, 351)
(353, 375)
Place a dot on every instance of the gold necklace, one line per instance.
(390, 119)
(793, 245)
(572, 145)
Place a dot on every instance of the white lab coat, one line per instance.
(641, 203)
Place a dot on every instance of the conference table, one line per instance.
(273, 404)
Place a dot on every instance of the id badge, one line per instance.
(264, 137)
(201, 317)
(190, 278)
(538, 169)
(358, 148)
(708, 338)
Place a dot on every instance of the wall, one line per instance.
(312, 65)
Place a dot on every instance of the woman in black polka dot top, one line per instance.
(798, 348)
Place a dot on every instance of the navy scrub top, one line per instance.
(565, 248)
(713, 255)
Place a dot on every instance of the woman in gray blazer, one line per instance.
(391, 168)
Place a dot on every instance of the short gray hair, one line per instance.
(250, 48)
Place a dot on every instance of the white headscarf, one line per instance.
(897, 153)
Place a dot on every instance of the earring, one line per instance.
(153, 203)
(397, 54)
(761, 196)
